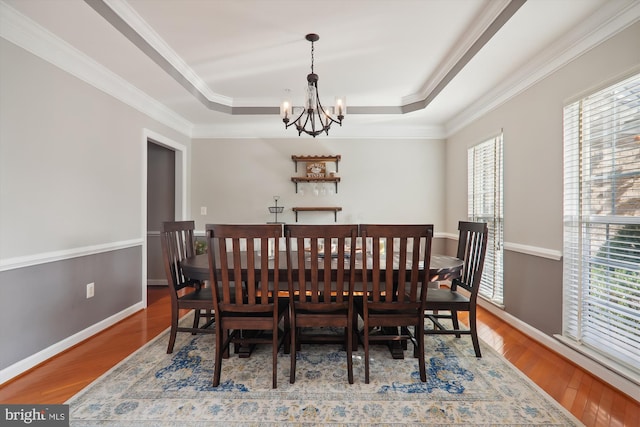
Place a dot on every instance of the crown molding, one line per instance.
(126, 20)
(608, 21)
(472, 36)
(30, 36)
(142, 28)
(25, 33)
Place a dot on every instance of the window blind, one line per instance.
(601, 306)
(485, 189)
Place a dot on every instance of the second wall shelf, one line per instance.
(303, 179)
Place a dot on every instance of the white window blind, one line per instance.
(601, 307)
(485, 172)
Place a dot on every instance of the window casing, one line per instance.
(485, 204)
(601, 257)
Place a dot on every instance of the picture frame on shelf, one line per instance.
(316, 169)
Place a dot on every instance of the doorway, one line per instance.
(161, 196)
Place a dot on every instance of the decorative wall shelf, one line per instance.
(298, 179)
(334, 209)
(335, 159)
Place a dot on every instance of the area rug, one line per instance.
(152, 388)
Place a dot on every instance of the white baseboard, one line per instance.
(602, 372)
(25, 364)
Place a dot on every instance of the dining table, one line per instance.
(441, 268)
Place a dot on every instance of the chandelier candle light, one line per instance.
(313, 119)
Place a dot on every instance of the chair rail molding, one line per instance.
(45, 257)
(533, 250)
(518, 247)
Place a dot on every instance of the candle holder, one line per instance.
(276, 210)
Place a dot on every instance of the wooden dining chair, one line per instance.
(395, 277)
(321, 275)
(245, 289)
(186, 294)
(446, 303)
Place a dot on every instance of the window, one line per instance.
(484, 164)
(601, 307)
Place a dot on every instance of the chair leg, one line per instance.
(274, 356)
(219, 352)
(350, 351)
(354, 328)
(174, 329)
(456, 324)
(419, 335)
(224, 336)
(287, 336)
(196, 320)
(474, 332)
(294, 342)
(366, 354)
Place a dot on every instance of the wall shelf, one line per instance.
(334, 209)
(298, 179)
(335, 159)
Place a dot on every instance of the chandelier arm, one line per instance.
(320, 107)
(286, 125)
(304, 125)
(326, 125)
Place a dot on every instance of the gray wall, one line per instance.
(72, 190)
(532, 124)
(46, 303)
(382, 180)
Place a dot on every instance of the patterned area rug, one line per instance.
(152, 388)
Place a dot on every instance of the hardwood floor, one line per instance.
(585, 396)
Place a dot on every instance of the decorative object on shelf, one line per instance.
(313, 118)
(276, 209)
(316, 169)
(327, 159)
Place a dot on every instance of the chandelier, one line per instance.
(313, 118)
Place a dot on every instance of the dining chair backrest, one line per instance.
(245, 294)
(318, 271)
(321, 276)
(178, 244)
(472, 247)
(397, 263)
(395, 278)
(177, 239)
(240, 254)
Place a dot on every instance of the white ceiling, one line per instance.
(412, 62)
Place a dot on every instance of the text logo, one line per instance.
(34, 415)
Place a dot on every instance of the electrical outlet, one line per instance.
(203, 210)
(90, 289)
